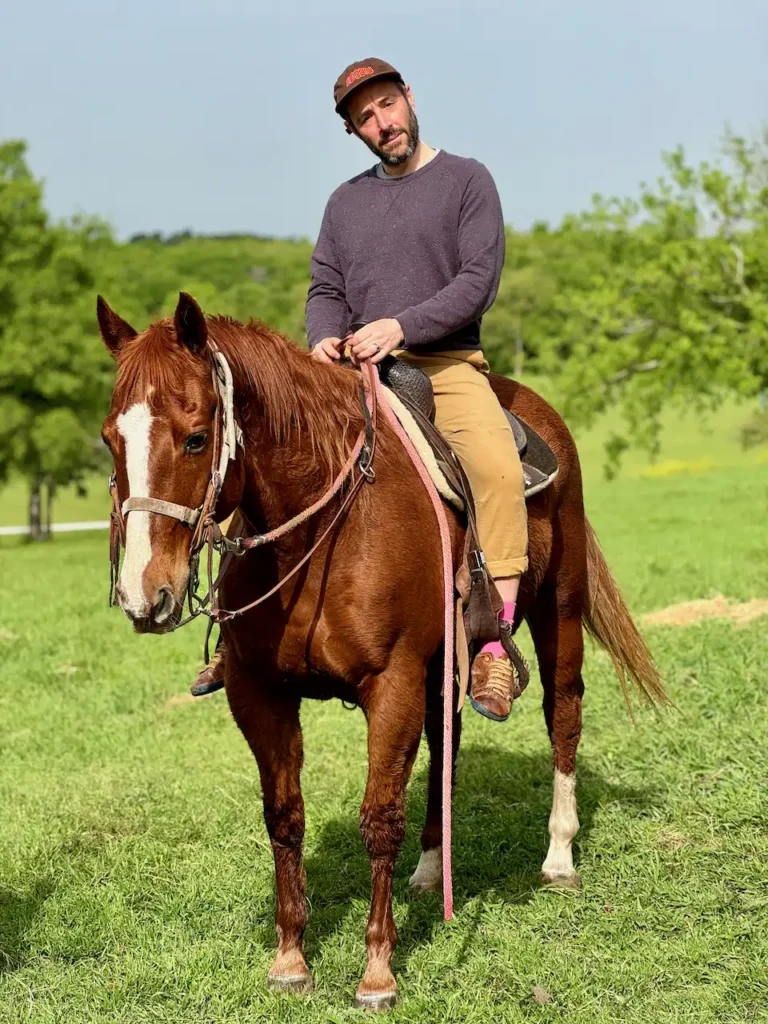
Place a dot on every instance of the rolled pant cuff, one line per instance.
(506, 567)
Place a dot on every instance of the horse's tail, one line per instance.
(608, 621)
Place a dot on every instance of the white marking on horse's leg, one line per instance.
(135, 425)
(563, 826)
(428, 876)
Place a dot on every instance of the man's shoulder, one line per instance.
(349, 188)
(465, 168)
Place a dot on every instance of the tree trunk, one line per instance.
(35, 524)
(51, 494)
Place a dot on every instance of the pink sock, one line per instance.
(507, 614)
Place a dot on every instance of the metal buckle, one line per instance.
(364, 464)
(224, 545)
(480, 565)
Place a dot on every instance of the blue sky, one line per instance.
(218, 116)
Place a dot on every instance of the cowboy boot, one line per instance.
(497, 681)
(211, 678)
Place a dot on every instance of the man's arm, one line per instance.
(481, 256)
(326, 311)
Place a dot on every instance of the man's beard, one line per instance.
(412, 135)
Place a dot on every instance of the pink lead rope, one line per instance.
(445, 541)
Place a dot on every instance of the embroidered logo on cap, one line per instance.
(357, 74)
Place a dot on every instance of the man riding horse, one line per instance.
(413, 248)
(208, 415)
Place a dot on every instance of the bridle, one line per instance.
(227, 436)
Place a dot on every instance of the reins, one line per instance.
(226, 438)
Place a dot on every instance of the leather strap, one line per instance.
(188, 516)
(226, 437)
(370, 404)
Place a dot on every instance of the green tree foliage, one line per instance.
(52, 383)
(636, 303)
(677, 312)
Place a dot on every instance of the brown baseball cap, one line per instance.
(361, 73)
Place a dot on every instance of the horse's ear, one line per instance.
(114, 330)
(191, 328)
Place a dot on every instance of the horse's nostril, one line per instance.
(163, 606)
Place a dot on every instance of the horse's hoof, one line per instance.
(428, 876)
(559, 880)
(297, 984)
(376, 1001)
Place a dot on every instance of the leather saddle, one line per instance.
(414, 388)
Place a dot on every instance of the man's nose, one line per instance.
(384, 122)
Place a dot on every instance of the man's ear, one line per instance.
(114, 330)
(191, 328)
(348, 127)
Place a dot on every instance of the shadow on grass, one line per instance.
(501, 809)
(17, 915)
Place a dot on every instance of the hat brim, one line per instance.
(392, 76)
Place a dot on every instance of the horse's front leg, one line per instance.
(394, 707)
(270, 724)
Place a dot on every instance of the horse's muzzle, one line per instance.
(159, 617)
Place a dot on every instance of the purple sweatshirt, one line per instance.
(426, 248)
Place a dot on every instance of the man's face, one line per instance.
(384, 118)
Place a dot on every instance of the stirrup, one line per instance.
(520, 667)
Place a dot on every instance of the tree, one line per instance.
(53, 386)
(679, 314)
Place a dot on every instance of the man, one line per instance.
(414, 248)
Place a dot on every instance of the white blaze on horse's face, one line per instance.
(134, 426)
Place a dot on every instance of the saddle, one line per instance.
(414, 389)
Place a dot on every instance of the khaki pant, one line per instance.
(469, 415)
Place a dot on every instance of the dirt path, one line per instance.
(690, 612)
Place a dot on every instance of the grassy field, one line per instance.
(135, 873)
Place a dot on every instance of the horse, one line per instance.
(363, 618)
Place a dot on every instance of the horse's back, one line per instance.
(529, 406)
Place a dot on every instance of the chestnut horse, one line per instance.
(363, 620)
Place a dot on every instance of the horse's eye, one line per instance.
(196, 443)
(106, 442)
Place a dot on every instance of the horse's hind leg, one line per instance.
(394, 707)
(428, 876)
(555, 624)
(270, 724)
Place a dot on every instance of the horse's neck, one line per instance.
(285, 477)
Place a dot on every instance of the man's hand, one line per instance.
(327, 350)
(375, 341)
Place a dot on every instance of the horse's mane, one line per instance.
(293, 393)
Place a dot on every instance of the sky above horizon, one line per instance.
(162, 116)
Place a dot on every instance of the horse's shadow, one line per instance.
(501, 808)
(17, 917)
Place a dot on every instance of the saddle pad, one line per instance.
(424, 450)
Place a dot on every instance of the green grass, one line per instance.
(69, 506)
(136, 880)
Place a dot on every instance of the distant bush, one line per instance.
(755, 430)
